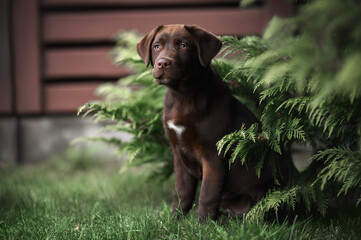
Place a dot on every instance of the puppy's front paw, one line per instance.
(204, 214)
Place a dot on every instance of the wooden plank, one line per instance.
(68, 97)
(26, 56)
(81, 63)
(132, 2)
(5, 75)
(100, 26)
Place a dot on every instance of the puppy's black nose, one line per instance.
(163, 63)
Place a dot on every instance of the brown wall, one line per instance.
(59, 47)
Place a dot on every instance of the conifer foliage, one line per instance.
(306, 75)
(133, 105)
(302, 79)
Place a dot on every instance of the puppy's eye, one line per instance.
(182, 46)
(157, 47)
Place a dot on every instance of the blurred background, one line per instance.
(54, 53)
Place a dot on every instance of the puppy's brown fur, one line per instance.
(199, 110)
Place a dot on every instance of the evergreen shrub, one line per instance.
(303, 81)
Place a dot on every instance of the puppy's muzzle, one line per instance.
(163, 63)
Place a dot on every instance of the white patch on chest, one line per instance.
(178, 129)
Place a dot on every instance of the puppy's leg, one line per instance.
(214, 173)
(185, 189)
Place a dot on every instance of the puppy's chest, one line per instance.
(180, 125)
(183, 122)
(178, 129)
(180, 132)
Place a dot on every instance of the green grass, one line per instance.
(84, 199)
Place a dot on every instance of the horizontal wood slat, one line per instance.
(80, 63)
(131, 2)
(66, 98)
(88, 27)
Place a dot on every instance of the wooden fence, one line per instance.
(59, 48)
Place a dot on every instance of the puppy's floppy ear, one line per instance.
(208, 44)
(144, 47)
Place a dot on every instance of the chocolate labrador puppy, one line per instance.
(199, 110)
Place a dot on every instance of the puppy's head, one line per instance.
(177, 51)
